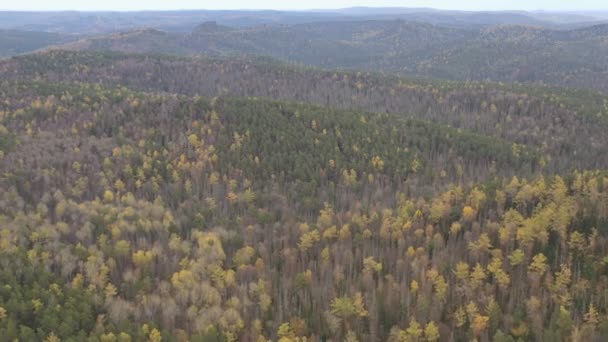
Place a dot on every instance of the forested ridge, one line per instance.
(567, 126)
(14, 42)
(389, 209)
(527, 53)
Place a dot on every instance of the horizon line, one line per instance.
(309, 10)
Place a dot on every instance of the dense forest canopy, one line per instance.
(511, 53)
(566, 126)
(168, 197)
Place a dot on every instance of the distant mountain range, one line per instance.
(510, 53)
(563, 49)
(104, 22)
(14, 42)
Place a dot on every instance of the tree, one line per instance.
(431, 332)
(468, 213)
(539, 264)
(479, 324)
(347, 307)
(108, 196)
(155, 336)
(414, 331)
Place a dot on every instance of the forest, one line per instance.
(156, 197)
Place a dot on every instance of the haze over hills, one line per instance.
(186, 20)
(509, 46)
(510, 53)
(14, 42)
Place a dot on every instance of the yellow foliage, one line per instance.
(432, 274)
(344, 233)
(371, 265)
(248, 196)
(539, 264)
(308, 240)
(462, 271)
(517, 257)
(108, 196)
(455, 228)
(414, 286)
(37, 305)
(479, 324)
(244, 255)
(232, 197)
(110, 290)
(414, 330)
(592, 316)
(377, 163)
(193, 140)
(142, 258)
(77, 281)
(482, 244)
(155, 336)
(52, 338)
(326, 215)
(411, 252)
(441, 288)
(124, 337)
(182, 279)
(478, 276)
(460, 317)
(520, 330)
(119, 186)
(495, 265)
(285, 332)
(229, 278)
(330, 233)
(109, 337)
(468, 213)
(325, 254)
(431, 332)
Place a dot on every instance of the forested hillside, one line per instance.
(148, 198)
(400, 175)
(510, 53)
(14, 42)
(566, 126)
(560, 49)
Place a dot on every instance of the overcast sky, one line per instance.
(127, 5)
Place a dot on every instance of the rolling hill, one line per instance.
(159, 198)
(568, 126)
(573, 58)
(288, 182)
(15, 42)
(73, 22)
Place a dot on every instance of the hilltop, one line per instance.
(508, 53)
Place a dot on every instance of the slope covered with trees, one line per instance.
(180, 181)
(15, 42)
(147, 198)
(566, 126)
(510, 53)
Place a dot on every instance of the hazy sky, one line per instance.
(298, 4)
